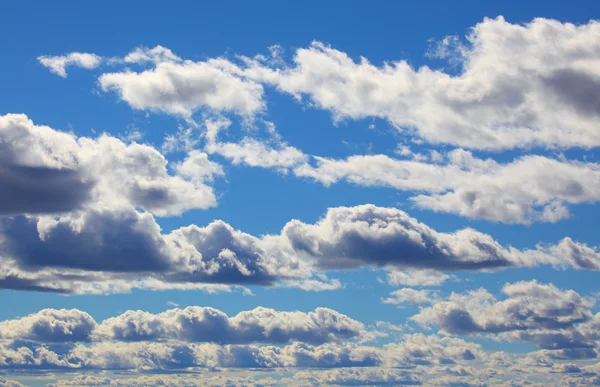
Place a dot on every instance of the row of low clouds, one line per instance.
(192, 324)
(559, 322)
(106, 250)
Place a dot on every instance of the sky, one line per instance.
(299, 193)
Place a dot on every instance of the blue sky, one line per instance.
(428, 173)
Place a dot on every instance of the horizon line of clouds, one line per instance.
(70, 340)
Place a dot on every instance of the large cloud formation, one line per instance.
(43, 170)
(192, 324)
(527, 189)
(530, 305)
(523, 91)
(519, 86)
(559, 322)
(101, 251)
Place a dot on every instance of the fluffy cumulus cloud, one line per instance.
(350, 237)
(184, 87)
(196, 324)
(528, 306)
(410, 296)
(50, 326)
(192, 324)
(520, 85)
(58, 64)
(558, 322)
(43, 170)
(154, 356)
(523, 91)
(358, 377)
(146, 356)
(105, 250)
(417, 278)
(527, 189)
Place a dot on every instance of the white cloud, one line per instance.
(181, 88)
(156, 54)
(198, 324)
(529, 305)
(58, 64)
(528, 189)
(520, 86)
(410, 296)
(43, 170)
(417, 278)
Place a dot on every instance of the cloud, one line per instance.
(410, 296)
(127, 249)
(193, 324)
(194, 380)
(535, 88)
(148, 356)
(9, 383)
(528, 189)
(416, 278)
(181, 88)
(529, 305)
(116, 250)
(197, 324)
(519, 86)
(43, 170)
(358, 377)
(351, 237)
(58, 64)
(157, 54)
(50, 326)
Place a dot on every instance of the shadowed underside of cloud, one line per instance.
(43, 170)
(148, 356)
(103, 251)
(559, 322)
(192, 324)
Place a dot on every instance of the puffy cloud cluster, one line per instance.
(520, 86)
(183, 87)
(192, 324)
(527, 189)
(43, 170)
(358, 377)
(50, 326)
(559, 322)
(529, 305)
(351, 237)
(526, 90)
(197, 324)
(102, 250)
(148, 356)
